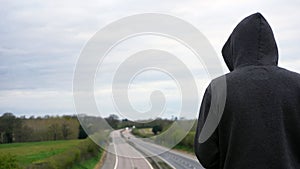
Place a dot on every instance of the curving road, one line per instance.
(172, 158)
(126, 157)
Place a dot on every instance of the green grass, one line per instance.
(143, 132)
(88, 164)
(147, 132)
(184, 148)
(27, 153)
(185, 145)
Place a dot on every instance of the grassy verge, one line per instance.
(186, 145)
(144, 132)
(89, 164)
(184, 148)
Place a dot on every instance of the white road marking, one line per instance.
(157, 157)
(131, 163)
(142, 157)
(115, 148)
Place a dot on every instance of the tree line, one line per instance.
(47, 128)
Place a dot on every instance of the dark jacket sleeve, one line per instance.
(208, 151)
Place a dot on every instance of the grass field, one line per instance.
(27, 153)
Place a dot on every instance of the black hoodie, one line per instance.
(260, 125)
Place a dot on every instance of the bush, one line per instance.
(8, 161)
(156, 129)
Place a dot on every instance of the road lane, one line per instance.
(126, 157)
(174, 159)
(110, 158)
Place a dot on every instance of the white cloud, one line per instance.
(41, 40)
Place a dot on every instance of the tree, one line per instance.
(53, 131)
(8, 125)
(65, 128)
(23, 134)
(113, 121)
(82, 134)
(156, 129)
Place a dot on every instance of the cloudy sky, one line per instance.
(42, 40)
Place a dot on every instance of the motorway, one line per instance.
(126, 157)
(129, 158)
(172, 158)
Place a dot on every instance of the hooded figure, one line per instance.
(260, 125)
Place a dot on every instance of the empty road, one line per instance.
(174, 159)
(126, 157)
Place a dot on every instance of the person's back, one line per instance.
(260, 125)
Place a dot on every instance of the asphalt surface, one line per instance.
(124, 156)
(172, 158)
(127, 157)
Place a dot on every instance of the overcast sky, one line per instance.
(40, 42)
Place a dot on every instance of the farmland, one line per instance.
(28, 154)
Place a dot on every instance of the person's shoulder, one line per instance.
(232, 75)
(288, 73)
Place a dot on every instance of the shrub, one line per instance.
(156, 129)
(8, 161)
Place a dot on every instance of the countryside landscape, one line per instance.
(119, 84)
(61, 142)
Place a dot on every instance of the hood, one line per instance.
(251, 43)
